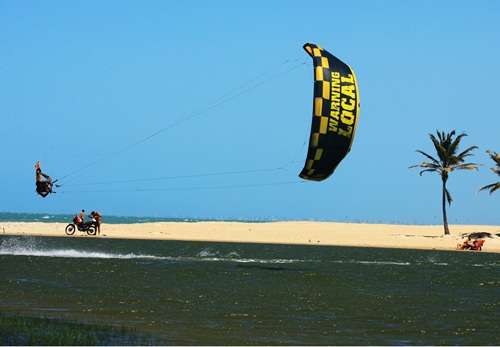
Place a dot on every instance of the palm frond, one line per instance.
(428, 170)
(495, 156)
(429, 167)
(492, 187)
(497, 186)
(430, 157)
(438, 145)
(466, 153)
(469, 166)
(453, 148)
(448, 196)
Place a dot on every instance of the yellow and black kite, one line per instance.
(335, 114)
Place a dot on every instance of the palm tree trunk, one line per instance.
(445, 218)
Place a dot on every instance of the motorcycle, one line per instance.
(89, 227)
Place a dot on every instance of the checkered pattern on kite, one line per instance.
(320, 120)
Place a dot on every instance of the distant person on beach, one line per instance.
(82, 215)
(478, 244)
(98, 218)
(467, 244)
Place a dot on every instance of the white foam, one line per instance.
(30, 247)
(71, 253)
(34, 248)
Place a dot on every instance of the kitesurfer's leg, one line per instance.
(47, 178)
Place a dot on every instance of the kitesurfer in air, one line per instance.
(43, 187)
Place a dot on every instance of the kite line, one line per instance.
(233, 94)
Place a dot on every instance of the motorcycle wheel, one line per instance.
(91, 231)
(70, 229)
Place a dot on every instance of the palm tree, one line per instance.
(447, 160)
(494, 186)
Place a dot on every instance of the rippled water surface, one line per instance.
(204, 293)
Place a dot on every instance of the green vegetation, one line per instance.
(494, 186)
(447, 160)
(43, 331)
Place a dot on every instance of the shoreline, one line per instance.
(430, 237)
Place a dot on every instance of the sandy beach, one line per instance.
(310, 233)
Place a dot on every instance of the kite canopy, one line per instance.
(335, 114)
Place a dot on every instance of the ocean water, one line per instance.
(202, 293)
(67, 218)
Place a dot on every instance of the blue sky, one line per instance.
(203, 109)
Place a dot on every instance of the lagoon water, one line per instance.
(201, 293)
